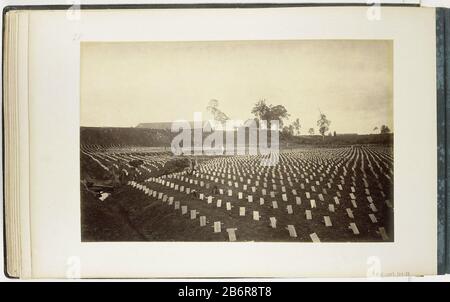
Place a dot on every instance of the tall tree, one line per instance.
(384, 129)
(311, 131)
(213, 108)
(297, 126)
(288, 130)
(270, 113)
(324, 124)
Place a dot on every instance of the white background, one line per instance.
(95, 2)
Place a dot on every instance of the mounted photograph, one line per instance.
(237, 141)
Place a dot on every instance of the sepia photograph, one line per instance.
(237, 141)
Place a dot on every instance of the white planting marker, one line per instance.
(354, 203)
(354, 228)
(210, 199)
(289, 209)
(193, 214)
(177, 205)
(383, 234)
(313, 203)
(261, 201)
(228, 206)
(250, 198)
(298, 200)
(284, 197)
(217, 228)
(219, 203)
(373, 207)
(183, 210)
(291, 230)
(256, 215)
(274, 204)
(350, 213)
(202, 220)
(273, 222)
(232, 234)
(373, 218)
(308, 215)
(314, 237)
(327, 221)
(242, 211)
(331, 207)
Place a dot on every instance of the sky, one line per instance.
(127, 83)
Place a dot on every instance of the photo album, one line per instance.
(225, 141)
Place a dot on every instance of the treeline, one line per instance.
(107, 136)
(112, 136)
(344, 139)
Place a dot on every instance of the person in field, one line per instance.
(215, 190)
(193, 164)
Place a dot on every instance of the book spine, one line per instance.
(443, 135)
